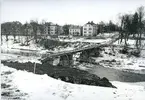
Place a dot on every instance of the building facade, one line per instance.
(74, 30)
(52, 29)
(90, 29)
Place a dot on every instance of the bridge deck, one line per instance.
(114, 38)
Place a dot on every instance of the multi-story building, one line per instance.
(90, 29)
(74, 30)
(52, 29)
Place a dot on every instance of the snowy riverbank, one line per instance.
(44, 87)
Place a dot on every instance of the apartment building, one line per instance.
(90, 29)
(74, 30)
(52, 29)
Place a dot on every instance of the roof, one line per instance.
(74, 27)
(91, 23)
(51, 24)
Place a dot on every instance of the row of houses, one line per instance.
(89, 29)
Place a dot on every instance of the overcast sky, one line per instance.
(67, 11)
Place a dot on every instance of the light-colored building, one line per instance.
(53, 29)
(90, 29)
(74, 30)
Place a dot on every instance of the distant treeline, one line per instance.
(35, 29)
(17, 28)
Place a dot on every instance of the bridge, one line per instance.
(66, 56)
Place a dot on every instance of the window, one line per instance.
(85, 32)
(90, 28)
(85, 29)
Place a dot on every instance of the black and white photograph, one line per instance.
(72, 49)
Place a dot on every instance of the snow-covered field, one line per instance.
(43, 87)
(19, 58)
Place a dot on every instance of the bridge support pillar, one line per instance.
(53, 61)
(66, 60)
(86, 55)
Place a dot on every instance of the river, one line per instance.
(117, 75)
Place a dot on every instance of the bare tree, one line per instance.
(133, 25)
(27, 30)
(35, 26)
(141, 14)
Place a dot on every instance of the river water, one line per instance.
(117, 75)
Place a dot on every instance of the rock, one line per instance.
(135, 53)
(113, 60)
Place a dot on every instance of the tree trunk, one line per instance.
(7, 37)
(14, 37)
(140, 38)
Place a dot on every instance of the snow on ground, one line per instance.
(10, 45)
(71, 40)
(95, 40)
(43, 87)
(120, 61)
(107, 35)
(76, 42)
(19, 58)
(112, 58)
(9, 90)
(62, 49)
(83, 40)
(130, 42)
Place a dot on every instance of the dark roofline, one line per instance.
(91, 23)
